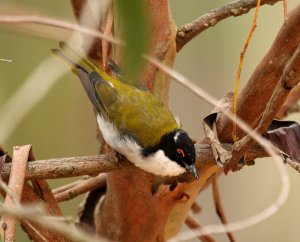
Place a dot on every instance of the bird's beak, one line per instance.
(192, 169)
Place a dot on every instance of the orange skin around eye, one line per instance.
(181, 152)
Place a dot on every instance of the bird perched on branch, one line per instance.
(134, 122)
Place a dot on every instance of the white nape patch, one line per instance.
(109, 83)
(176, 136)
(157, 163)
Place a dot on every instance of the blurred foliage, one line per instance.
(135, 33)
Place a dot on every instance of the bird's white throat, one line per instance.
(157, 163)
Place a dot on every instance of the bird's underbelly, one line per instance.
(158, 163)
(123, 145)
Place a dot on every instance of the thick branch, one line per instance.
(188, 31)
(93, 165)
(265, 77)
(289, 79)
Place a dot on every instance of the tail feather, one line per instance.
(68, 60)
(84, 69)
(78, 58)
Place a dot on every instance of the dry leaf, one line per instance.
(221, 155)
(285, 135)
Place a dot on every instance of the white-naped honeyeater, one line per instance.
(134, 122)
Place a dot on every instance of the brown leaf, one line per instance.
(285, 135)
(291, 103)
(220, 153)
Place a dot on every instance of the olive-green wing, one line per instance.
(140, 115)
(135, 113)
(93, 79)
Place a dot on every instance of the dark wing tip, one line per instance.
(55, 51)
(62, 44)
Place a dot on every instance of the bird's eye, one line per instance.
(180, 153)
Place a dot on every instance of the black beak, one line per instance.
(192, 169)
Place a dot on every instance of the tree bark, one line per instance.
(130, 212)
(265, 77)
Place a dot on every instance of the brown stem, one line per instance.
(192, 224)
(196, 208)
(67, 186)
(83, 187)
(219, 207)
(189, 31)
(15, 184)
(15, 19)
(68, 167)
(35, 230)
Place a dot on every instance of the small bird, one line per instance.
(134, 122)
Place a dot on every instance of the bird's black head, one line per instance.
(178, 147)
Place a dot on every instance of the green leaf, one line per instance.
(135, 32)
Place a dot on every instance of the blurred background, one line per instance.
(62, 123)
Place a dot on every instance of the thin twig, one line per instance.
(106, 46)
(239, 71)
(192, 224)
(15, 19)
(15, 184)
(30, 196)
(83, 187)
(94, 165)
(196, 208)
(219, 207)
(67, 186)
(5, 60)
(34, 233)
(188, 31)
(69, 167)
(42, 188)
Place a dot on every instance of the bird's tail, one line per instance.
(76, 60)
(88, 72)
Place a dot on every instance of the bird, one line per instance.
(133, 121)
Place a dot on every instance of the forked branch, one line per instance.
(189, 31)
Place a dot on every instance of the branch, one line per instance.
(83, 187)
(15, 19)
(69, 167)
(93, 165)
(15, 184)
(192, 224)
(268, 71)
(289, 79)
(219, 207)
(6, 60)
(189, 31)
